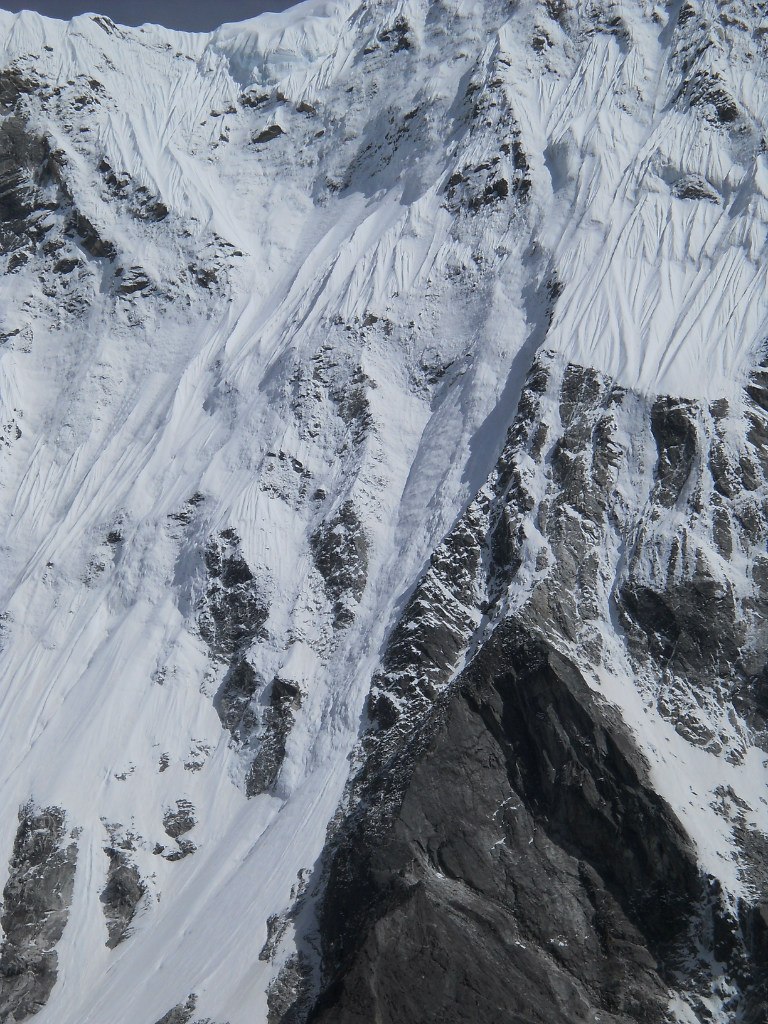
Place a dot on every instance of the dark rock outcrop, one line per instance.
(91, 237)
(25, 200)
(674, 429)
(529, 872)
(231, 618)
(340, 552)
(694, 186)
(502, 854)
(502, 172)
(268, 134)
(398, 36)
(36, 901)
(708, 91)
(179, 820)
(233, 609)
(288, 998)
(277, 721)
(134, 279)
(264, 730)
(181, 1013)
(15, 82)
(277, 925)
(235, 700)
(121, 896)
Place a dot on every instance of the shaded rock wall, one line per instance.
(502, 854)
(530, 873)
(36, 901)
(121, 896)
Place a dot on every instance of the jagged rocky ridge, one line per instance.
(384, 439)
(431, 874)
(36, 902)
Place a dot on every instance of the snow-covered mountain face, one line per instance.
(384, 566)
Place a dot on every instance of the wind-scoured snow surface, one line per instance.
(270, 299)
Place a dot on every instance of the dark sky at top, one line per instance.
(192, 15)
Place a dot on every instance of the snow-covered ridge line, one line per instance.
(303, 33)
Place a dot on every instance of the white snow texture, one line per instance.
(216, 347)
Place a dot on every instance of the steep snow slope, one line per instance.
(286, 309)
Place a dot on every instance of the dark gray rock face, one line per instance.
(340, 551)
(132, 280)
(25, 202)
(674, 429)
(90, 237)
(143, 204)
(426, 643)
(121, 895)
(502, 175)
(398, 36)
(335, 378)
(277, 721)
(33, 186)
(694, 186)
(233, 609)
(288, 998)
(272, 131)
(36, 901)
(276, 928)
(528, 873)
(16, 82)
(231, 617)
(264, 730)
(182, 1013)
(502, 854)
(234, 701)
(179, 820)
